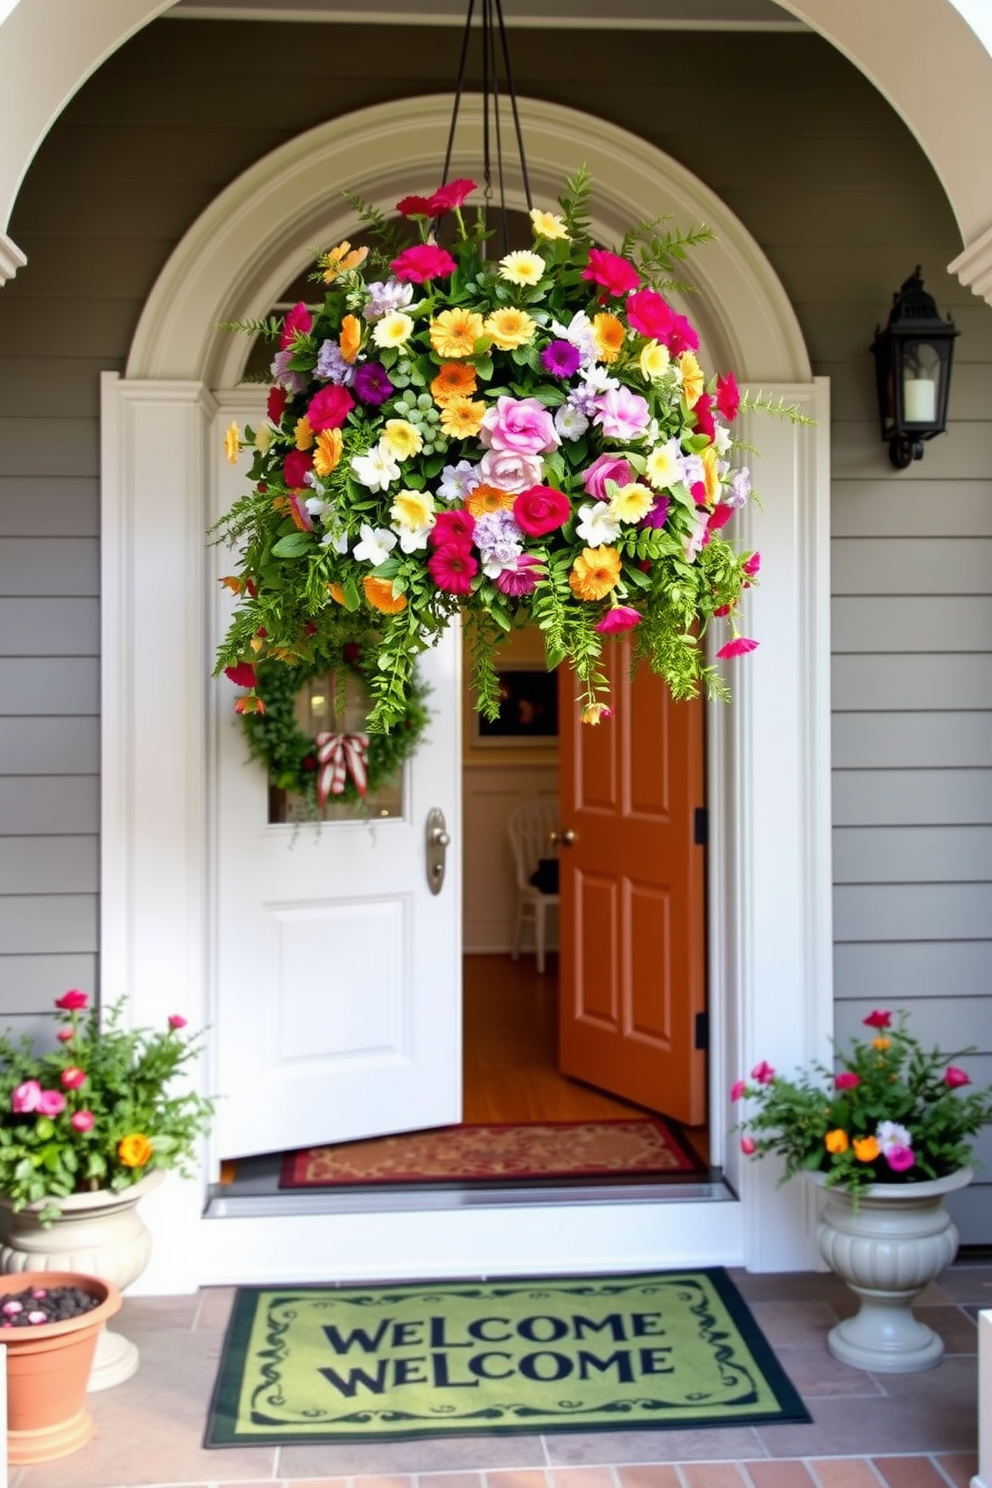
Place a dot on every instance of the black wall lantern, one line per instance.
(913, 358)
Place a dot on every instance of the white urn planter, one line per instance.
(899, 1240)
(99, 1234)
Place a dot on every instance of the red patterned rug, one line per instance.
(467, 1154)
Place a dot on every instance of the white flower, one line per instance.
(458, 481)
(376, 545)
(394, 329)
(694, 542)
(721, 439)
(598, 526)
(889, 1134)
(570, 423)
(377, 470)
(317, 506)
(598, 381)
(336, 540)
(412, 539)
(579, 333)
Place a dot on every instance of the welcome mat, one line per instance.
(646, 1352)
(473, 1153)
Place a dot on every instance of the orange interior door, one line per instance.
(633, 975)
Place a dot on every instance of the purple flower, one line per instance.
(498, 538)
(658, 515)
(900, 1159)
(458, 481)
(740, 487)
(520, 579)
(372, 384)
(385, 296)
(293, 382)
(561, 359)
(331, 365)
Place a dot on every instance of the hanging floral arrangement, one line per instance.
(527, 440)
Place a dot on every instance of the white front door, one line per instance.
(338, 971)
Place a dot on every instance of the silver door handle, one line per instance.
(437, 843)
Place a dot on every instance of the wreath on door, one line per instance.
(332, 764)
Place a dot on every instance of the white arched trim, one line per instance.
(770, 919)
(48, 48)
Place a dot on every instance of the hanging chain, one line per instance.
(491, 120)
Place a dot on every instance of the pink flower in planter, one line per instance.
(877, 1019)
(72, 1001)
(763, 1073)
(176, 1020)
(82, 1121)
(847, 1080)
(748, 1146)
(900, 1159)
(738, 1089)
(51, 1103)
(26, 1097)
(73, 1077)
(953, 1076)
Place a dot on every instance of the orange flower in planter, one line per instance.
(135, 1151)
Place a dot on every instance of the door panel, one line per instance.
(338, 972)
(633, 896)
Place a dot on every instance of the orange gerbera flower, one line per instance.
(608, 334)
(455, 332)
(488, 499)
(135, 1150)
(336, 593)
(594, 573)
(330, 443)
(341, 260)
(303, 433)
(454, 380)
(379, 593)
(351, 338)
(461, 418)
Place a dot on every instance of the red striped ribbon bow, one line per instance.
(341, 755)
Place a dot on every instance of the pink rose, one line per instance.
(82, 1121)
(763, 1073)
(653, 316)
(607, 467)
(614, 273)
(748, 1146)
(51, 1103)
(847, 1080)
(295, 467)
(73, 1078)
(954, 1077)
(329, 408)
(298, 322)
(520, 425)
(510, 472)
(617, 620)
(176, 1020)
(422, 262)
(72, 1001)
(26, 1097)
(541, 510)
(622, 414)
(738, 1089)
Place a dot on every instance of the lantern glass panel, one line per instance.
(922, 372)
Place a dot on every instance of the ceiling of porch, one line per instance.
(680, 15)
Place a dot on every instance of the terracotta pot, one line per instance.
(47, 1370)
(899, 1239)
(100, 1234)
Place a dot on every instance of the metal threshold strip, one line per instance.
(252, 1200)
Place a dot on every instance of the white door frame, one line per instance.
(770, 922)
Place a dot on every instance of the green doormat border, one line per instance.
(649, 1351)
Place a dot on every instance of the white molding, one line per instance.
(771, 891)
(188, 10)
(974, 266)
(983, 1478)
(12, 258)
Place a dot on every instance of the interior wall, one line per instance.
(842, 201)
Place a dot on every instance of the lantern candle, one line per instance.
(919, 400)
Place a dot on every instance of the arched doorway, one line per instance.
(769, 754)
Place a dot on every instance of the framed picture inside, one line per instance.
(528, 710)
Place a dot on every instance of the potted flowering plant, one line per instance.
(892, 1112)
(886, 1135)
(98, 1112)
(526, 439)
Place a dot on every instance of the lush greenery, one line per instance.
(527, 439)
(327, 765)
(98, 1112)
(890, 1112)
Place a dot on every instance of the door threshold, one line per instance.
(251, 1201)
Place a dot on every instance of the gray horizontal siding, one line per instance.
(927, 1021)
(32, 983)
(72, 746)
(49, 805)
(903, 971)
(50, 627)
(884, 508)
(49, 565)
(941, 854)
(37, 506)
(911, 565)
(48, 924)
(912, 739)
(885, 797)
(945, 680)
(924, 623)
(55, 685)
(911, 911)
(48, 865)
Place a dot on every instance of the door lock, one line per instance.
(437, 843)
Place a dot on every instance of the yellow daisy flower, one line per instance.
(461, 418)
(693, 381)
(454, 380)
(632, 502)
(412, 508)
(232, 443)
(341, 260)
(655, 360)
(510, 328)
(303, 434)
(394, 329)
(548, 224)
(455, 332)
(594, 573)
(263, 438)
(330, 443)
(522, 267)
(401, 439)
(608, 334)
(486, 499)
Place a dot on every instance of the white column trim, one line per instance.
(12, 258)
(974, 266)
(983, 1478)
